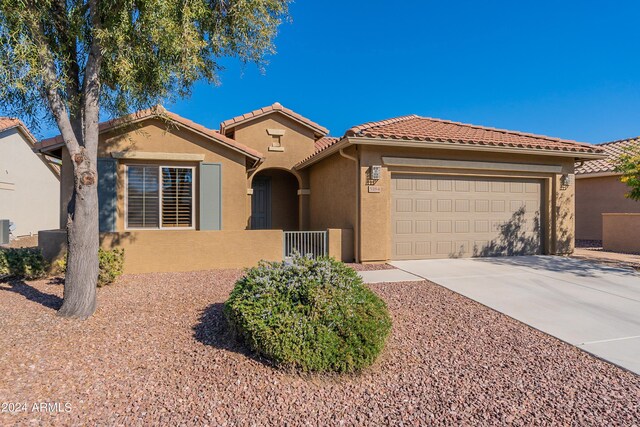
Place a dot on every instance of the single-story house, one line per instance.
(600, 191)
(29, 183)
(179, 196)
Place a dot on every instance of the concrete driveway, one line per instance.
(592, 306)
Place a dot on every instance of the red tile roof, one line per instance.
(416, 128)
(613, 150)
(276, 107)
(160, 112)
(325, 142)
(7, 123)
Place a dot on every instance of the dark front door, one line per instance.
(261, 204)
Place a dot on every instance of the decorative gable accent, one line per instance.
(277, 135)
(228, 125)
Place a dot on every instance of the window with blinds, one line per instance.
(143, 195)
(177, 198)
(159, 197)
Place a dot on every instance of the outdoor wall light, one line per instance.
(375, 172)
(565, 180)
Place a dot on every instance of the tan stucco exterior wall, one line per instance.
(341, 244)
(595, 196)
(164, 251)
(296, 144)
(621, 232)
(156, 137)
(375, 208)
(333, 201)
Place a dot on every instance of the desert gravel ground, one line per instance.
(371, 267)
(156, 353)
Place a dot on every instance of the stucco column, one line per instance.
(375, 208)
(303, 209)
(564, 212)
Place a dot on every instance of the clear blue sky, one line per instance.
(562, 68)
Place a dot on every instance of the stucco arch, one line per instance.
(293, 172)
(275, 199)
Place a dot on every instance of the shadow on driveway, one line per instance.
(559, 264)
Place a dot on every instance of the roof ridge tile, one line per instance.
(369, 125)
(275, 107)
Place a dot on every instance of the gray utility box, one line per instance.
(4, 231)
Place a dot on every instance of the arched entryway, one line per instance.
(274, 203)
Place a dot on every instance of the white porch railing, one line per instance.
(306, 243)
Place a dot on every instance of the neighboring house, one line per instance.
(599, 190)
(404, 188)
(29, 182)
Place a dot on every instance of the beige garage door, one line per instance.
(448, 217)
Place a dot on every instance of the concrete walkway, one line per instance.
(592, 306)
(391, 275)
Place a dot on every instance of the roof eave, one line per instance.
(597, 174)
(394, 142)
(22, 128)
(332, 149)
(120, 124)
(39, 148)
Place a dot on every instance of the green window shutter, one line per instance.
(210, 196)
(107, 194)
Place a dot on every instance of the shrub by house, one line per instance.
(111, 265)
(27, 263)
(311, 315)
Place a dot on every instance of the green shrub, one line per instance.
(312, 315)
(4, 263)
(27, 263)
(111, 265)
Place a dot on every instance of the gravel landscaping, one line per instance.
(371, 267)
(156, 352)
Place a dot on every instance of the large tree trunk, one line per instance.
(82, 224)
(77, 117)
(82, 240)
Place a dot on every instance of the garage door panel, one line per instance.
(443, 226)
(482, 205)
(423, 205)
(441, 217)
(445, 205)
(404, 249)
(462, 205)
(481, 226)
(404, 205)
(423, 226)
(462, 226)
(404, 226)
(423, 248)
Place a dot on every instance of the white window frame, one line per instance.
(160, 227)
